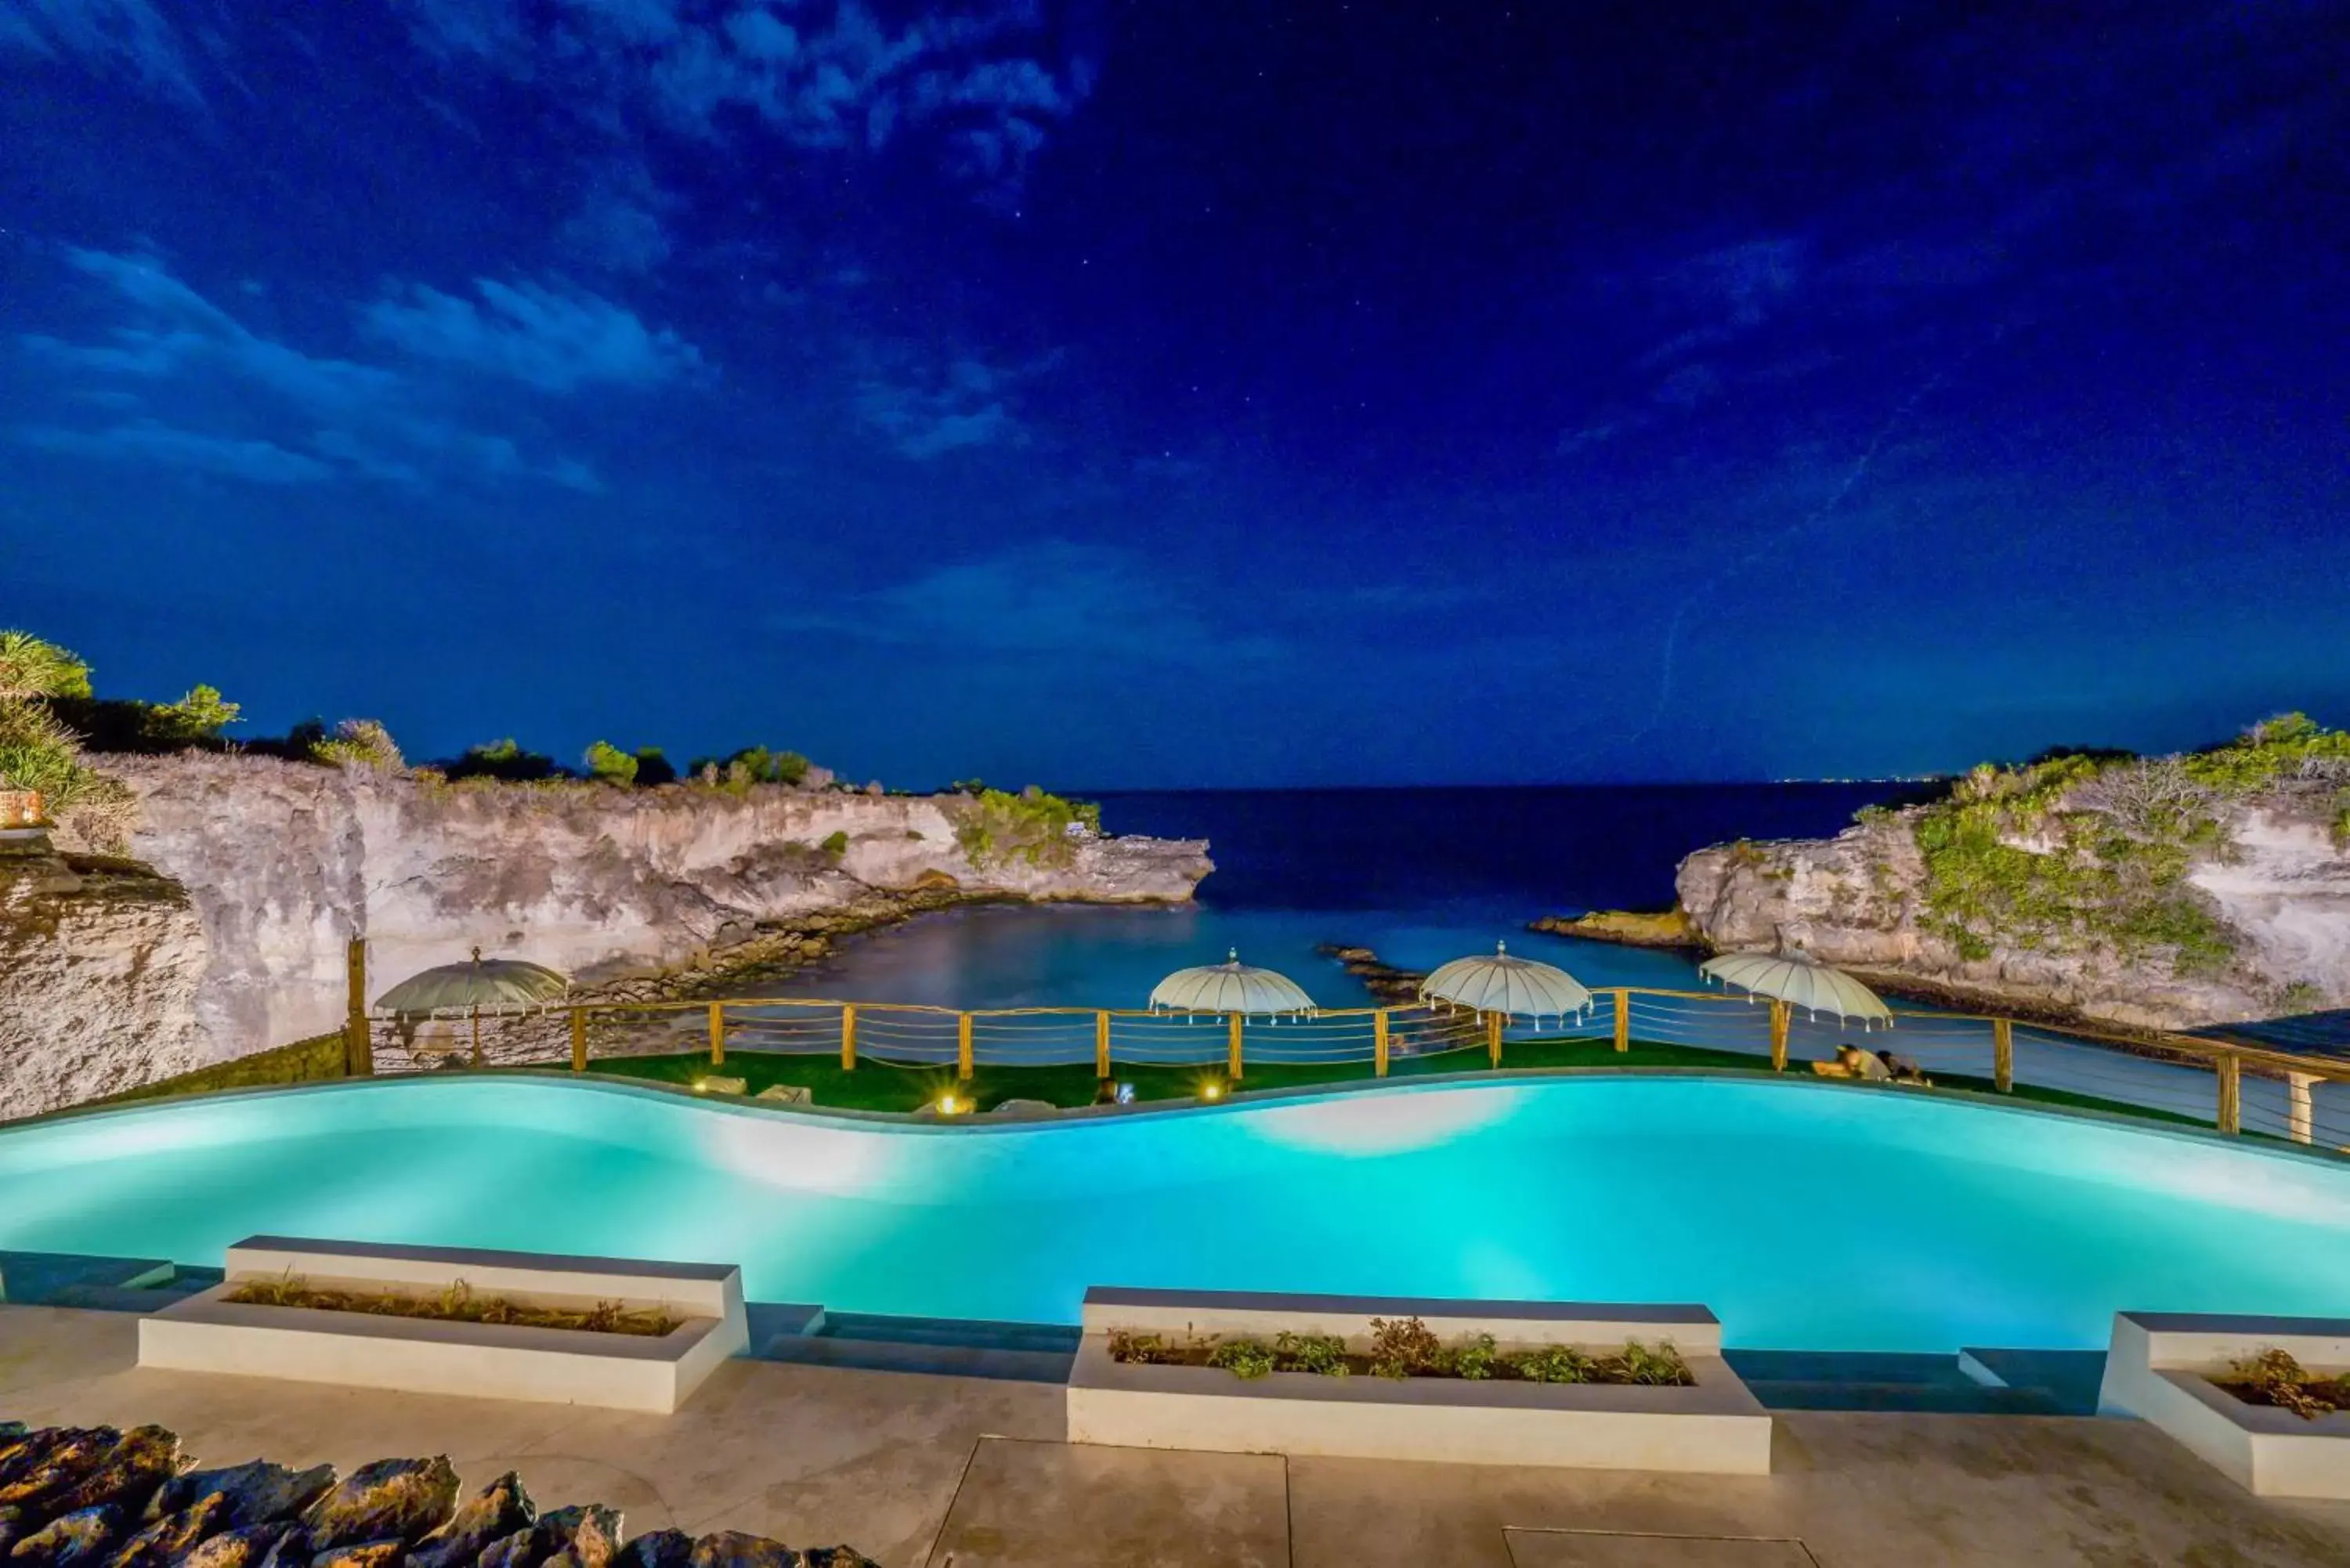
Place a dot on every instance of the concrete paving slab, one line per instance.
(1859, 1490)
(810, 1456)
(1057, 1505)
(1593, 1548)
(919, 1471)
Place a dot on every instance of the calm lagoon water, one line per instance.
(1806, 1215)
(1420, 875)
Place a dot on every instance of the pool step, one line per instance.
(1819, 1380)
(85, 1279)
(1016, 1352)
(2074, 1378)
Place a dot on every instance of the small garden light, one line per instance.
(951, 1105)
(1212, 1089)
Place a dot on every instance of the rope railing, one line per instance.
(2235, 1088)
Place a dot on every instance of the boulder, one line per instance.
(593, 1536)
(173, 1536)
(129, 1473)
(496, 1511)
(403, 1499)
(787, 1095)
(257, 1492)
(658, 1548)
(79, 1540)
(13, 1524)
(733, 1549)
(715, 1085)
(247, 1547)
(49, 1461)
(367, 1554)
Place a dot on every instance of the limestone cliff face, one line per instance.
(2275, 880)
(100, 966)
(285, 862)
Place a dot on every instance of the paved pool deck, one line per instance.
(923, 1472)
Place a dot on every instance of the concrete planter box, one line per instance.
(2160, 1368)
(1715, 1427)
(208, 1332)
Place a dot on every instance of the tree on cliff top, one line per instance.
(30, 667)
(39, 751)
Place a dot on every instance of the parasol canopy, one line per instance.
(1229, 987)
(484, 985)
(1799, 982)
(1513, 986)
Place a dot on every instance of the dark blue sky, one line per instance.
(1116, 394)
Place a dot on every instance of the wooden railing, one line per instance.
(2233, 1088)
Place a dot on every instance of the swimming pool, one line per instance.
(1808, 1216)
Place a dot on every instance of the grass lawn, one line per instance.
(876, 1086)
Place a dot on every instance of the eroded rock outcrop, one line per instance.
(2084, 901)
(284, 862)
(100, 964)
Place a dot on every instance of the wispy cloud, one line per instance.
(115, 38)
(820, 76)
(556, 339)
(219, 398)
(151, 440)
(927, 411)
(1048, 600)
(621, 225)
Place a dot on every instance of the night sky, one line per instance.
(1187, 393)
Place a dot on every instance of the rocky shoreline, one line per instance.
(1625, 928)
(93, 1496)
(254, 874)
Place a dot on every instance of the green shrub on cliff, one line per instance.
(505, 760)
(31, 667)
(994, 827)
(607, 764)
(2095, 848)
(360, 743)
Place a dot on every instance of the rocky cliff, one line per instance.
(2152, 893)
(276, 865)
(100, 961)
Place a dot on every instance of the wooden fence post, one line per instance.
(1493, 1039)
(1379, 1042)
(2231, 1093)
(2301, 1106)
(2002, 1055)
(1233, 1066)
(358, 1047)
(1778, 1036)
(717, 1033)
(578, 1039)
(962, 1047)
(849, 1037)
(1101, 1044)
(1624, 1018)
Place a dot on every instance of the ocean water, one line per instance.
(1420, 875)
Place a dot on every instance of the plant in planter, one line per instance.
(1243, 1358)
(1401, 1346)
(1659, 1368)
(1552, 1364)
(1142, 1349)
(1323, 1353)
(2274, 1377)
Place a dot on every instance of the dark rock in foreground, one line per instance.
(93, 1496)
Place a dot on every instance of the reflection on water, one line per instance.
(1093, 956)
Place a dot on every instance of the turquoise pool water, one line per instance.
(1807, 1216)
